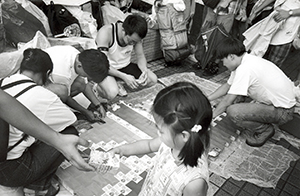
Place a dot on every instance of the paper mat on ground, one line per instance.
(136, 97)
(288, 137)
(262, 166)
(141, 95)
(206, 86)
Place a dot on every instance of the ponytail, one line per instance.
(182, 106)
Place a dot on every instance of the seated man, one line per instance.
(30, 163)
(117, 41)
(70, 68)
(271, 90)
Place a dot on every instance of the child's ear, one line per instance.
(77, 62)
(185, 136)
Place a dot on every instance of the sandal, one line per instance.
(259, 139)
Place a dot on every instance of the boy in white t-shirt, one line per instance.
(261, 80)
(71, 70)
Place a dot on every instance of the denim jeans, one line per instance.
(35, 168)
(256, 117)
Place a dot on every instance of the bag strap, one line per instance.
(25, 136)
(13, 83)
(25, 89)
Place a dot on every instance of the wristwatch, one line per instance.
(291, 12)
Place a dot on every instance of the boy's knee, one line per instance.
(107, 93)
(112, 93)
(232, 112)
(152, 79)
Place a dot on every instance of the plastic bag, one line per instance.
(11, 61)
(112, 14)
(37, 12)
(19, 24)
(81, 43)
(87, 22)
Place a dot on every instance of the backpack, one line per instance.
(4, 126)
(206, 45)
(175, 56)
(61, 21)
(173, 33)
(19, 24)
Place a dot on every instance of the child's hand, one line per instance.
(116, 150)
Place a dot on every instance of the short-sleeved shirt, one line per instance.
(263, 81)
(42, 103)
(166, 177)
(63, 58)
(289, 28)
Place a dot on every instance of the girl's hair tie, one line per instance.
(196, 128)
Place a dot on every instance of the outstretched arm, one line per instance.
(20, 117)
(138, 148)
(222, 106)
(221, 91)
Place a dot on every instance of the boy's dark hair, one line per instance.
(95, 64)
(37, 61)
(230, 46)
(135, 24)
(182, 106)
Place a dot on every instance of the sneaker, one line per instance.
(122, 91)
(211, 69)
(258, 139)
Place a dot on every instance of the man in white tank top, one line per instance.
(118, 41)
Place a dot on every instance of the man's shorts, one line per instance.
(132, 69)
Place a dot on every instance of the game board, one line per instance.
(127, 180)
(124, 124)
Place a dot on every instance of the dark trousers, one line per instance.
(197, 24)
(35, 168)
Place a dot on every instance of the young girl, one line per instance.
(182, 115)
